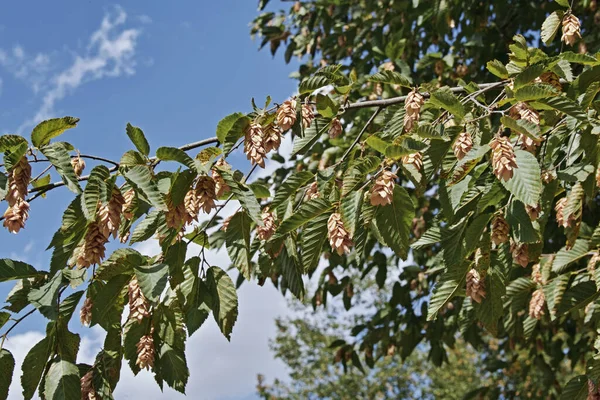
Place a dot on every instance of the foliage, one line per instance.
(517, 203)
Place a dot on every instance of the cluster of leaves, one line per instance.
(438, 219)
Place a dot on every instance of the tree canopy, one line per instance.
(449, 148)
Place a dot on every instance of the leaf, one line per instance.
(522, 126)
(290, 186)
(497, 68)
(141, 177)
(391, 77)
(579, 58)
(526, 183)
(313, 83)
(565, 257)
(306, 213)
(260, 191)
(93, 191)
(550, 27)
(350, 207)
(62, 382)
(152, 280)
(311, 134)
(226, 124)
(138, 138)
(235, 132)
(377, 144)
(59, 157)
(244, 195)
(173, 367)
(564, 3)
(529, 74)
(33, 366)
(290, 269)
(554, 292)
(578, 296)
(175, 154)
(576, 388)
(445, 99)
(394, 221)
(49, 129)
(326, 106)
(13, 270)
(225, 301)
(237, 240)
(522, 227)
(566, 106)
(7, 368)
(313, 238)
(8, 142)
(132, 158)
(145, 228)
(45, 298)
(445, 289)
(491, 308)
(107, 297)
(535, 91)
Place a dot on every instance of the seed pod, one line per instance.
(520, 253)
(475, 286)
(93, 248)
(268, 229)
(414, 159)
(192, 205)
(462, 145)
(145, 352)
(220, 186)
(533, 212)
(536, 274)
(307, 115)
(339, 238)
(176, 216)
(503, 158)
(15, 216)
(18, 181)
(87, 386)
(128, 205)
(571, 29)
(500, 230)
(138, 304)
(85, 314)
(206, 190)
(78, 165)
(109, 215)
(336, 128)
(253, 145)
(382, 192)
(552, 79)
(272, 139)
(412, 105)
(536, 304)
(286, 114)
(312, 192)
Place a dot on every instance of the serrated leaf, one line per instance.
(93, 191)
(152, 280)
(291, 271)
(107, 297)
(491, 308)
(523, 228)
(565, 257)
(260, 191)
(350, 208)
(445, 99)
(306, 213)
(244, 195)
(377, 144)
(62, 381)
(226, 124)
(554, 292)
(445, 289)
(564, 3)
(224, 299)
(132, 158)
(175, 154)
(550, 26)
(535, 91)
(576, 388)
(312, 83)
(49, 129)
(141, 177)
(523, 126)
(9, 141)
(290, 186)
(13, 270)
(529, 74)
(391, 77)
(526, 183)
(173, 367)
(237, 240)
(45, 298)
(311, 134)
(356, 173)
(313, 238)
(235, 132)
(497, 68)
(579, 58)
(578, 296)
(138, 139)
(394, 221)
(33, 366)
(145, 228)
(327, 107)
(7, 367)
(567, 106)
(58, 156)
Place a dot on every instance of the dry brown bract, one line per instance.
(571, 29)
(15, 216)
(560, 217)
(414, 159)
(339, 238)
(307, 115)
(412, 105)
(533, 212)
(382, 192)
(536, 305)
(138, 305)
(85, 314)
(93, 248)
(87, 386)
(335, 129)
(551, 79)
(272, 139)
(286, 114)
(145, 352)
(220, 186)
(176, 216)
(520, 253)
(503, 158)
(462, 145)
(268, 229)
(500, 230)
(192, 205)
(536, 274)
(475, 286)
(78, 165)
(127, 209)
(109, 214)
(18, 180)
(312, 192)
(253, 145)
(206, 191)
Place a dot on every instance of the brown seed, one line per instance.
(87, 386)
(312, 192)
(475, 286)
(272, 139)
(15, 216)
(18, 181)
(253, 145)
(78, 165)
(500, 230)
(128, 205)
(382, 192)
(536, 305)
(268, 229)
(220, 186)
(414, 159)
(503, 158)
(339, 238)
(145, 351)
(571, 28)
(307, 115)
(109, 215)
(336, 128)
(138, 305)
(520, 253)
(286, 114)
(93, 248)
(462, 145)
(85, 315)
(412, 106)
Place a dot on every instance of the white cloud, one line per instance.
(110, 53)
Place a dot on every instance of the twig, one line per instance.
(17, 322)
(360, 135)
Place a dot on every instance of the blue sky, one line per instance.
(174, 70)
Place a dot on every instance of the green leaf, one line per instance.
(311, 134)
(7, 367)
(290, 186)
(523, 229)
(306, 213)
(554, 292)
(566, 257)
(578, 296)
(58, 156)
(107, 297)
(522, 126)
(198, 310)
(327, 107)
(12, 270)
(45, 299)
(578, 58)
(576, 388)
(564, 3)
(138, 138)
(132, 158)
(497, 68)
(226, 124)
(237, 240)
(391, 77)
(49, 129)
(445, 99)
(146, 228)
(141, 177)
(225, 301)
(235, 132)
(62, 382)
(290, 269)
(175, 154)
(4, 317)
(394, 221)
(313, 238)
(377, 144)
(244, 195)
(350, 207)
(445, 289)
(535, 91)
(567, 106)
(355, 174)
(152, 280)
(93, 191)
(8, 142)
(33, 366)
(260, 191)
(550, 26)
(529, 74)
(526, 183)
(491, 308)
(313, 83)
(173, 367)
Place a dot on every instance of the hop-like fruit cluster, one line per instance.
(253, 145)
(15, 216)
(551, 79)
(145, 352)
(571, 29)
(312, 191)
(462, 145)
(268, 229)
(503, 158)
(561, 219)
(85, 314)
(412, 105)
(18, 208)
(192, 205)
(336, 128)
(593, 390)
(93, 249)
(307, 115)
(533, 212)
(520, 254)
(109, 214)
(414, 159)
(139, 308)
(536, 304)
(176, 215)
(382, 192)
(128, 205)
(286, 114)
(78, 165)
(226, 222)
(500, 230)
(475, 286)
(207, 193)
(536, 274)
(87, 386)
(339, 238)
(272, 138)
(221, 187)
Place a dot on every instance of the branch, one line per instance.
(360, 134)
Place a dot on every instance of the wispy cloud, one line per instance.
(110, 53)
